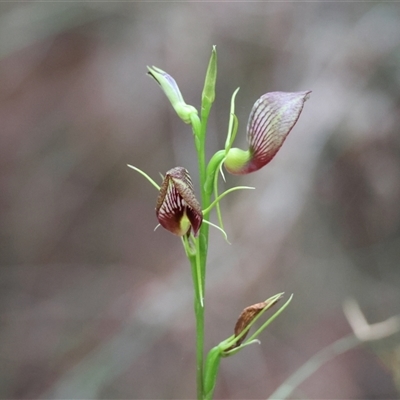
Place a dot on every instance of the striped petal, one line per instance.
(271, 120)
(177, 208)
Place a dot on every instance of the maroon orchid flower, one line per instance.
(177, 208)
(272, 118)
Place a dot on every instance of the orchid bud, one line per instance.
(177, 208)
(248, 316)
(171, 89)
(272, 118)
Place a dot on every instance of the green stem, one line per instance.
(199, 126)
(199, 310)
(199, 313)
(199, 262)
(202, 258)
(202, 249)
(192, 253)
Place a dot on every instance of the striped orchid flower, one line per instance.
(272, 118)
(177, 208)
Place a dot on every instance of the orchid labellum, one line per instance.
(272, 118)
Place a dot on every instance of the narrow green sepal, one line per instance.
(145, 175)
(221, 196)
(218, 228)
(233, 124)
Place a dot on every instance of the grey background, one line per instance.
(93, 302)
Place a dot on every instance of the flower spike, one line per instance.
(272, 118)
(177, 208)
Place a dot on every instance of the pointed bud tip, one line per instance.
(151, 71)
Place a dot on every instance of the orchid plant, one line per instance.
(179, 211)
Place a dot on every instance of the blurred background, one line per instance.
(94, 304)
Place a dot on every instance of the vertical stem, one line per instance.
(199, 262)
(199, 349)
(199, 310)
(199, 313)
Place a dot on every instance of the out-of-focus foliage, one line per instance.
(94, 304)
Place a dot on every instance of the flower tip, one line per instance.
(150, 71)
(305, 95)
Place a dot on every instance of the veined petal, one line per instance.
(177, 208)
(271, 120)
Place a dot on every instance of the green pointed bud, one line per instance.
(177, 208)
(272, 118)
(171, 89)
(211, 77)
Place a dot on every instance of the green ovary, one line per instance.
(236, 161)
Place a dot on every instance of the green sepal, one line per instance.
(145, 175)
(233, 124)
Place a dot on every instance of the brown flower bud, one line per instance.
(247, 316)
